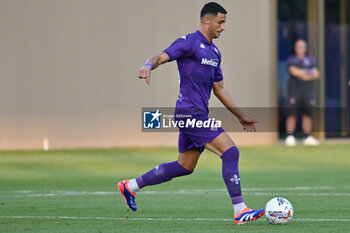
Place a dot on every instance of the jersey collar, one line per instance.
(204, 39)
(305, 57)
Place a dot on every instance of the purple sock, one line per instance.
(231, 175)
(162, 173)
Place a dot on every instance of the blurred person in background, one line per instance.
(303, 74)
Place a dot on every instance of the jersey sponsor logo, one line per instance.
(210, 62)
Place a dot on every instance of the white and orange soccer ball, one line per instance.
(278, 210)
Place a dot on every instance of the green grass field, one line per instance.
(74, 190)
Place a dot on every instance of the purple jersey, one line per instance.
(298, 86)
(198, 62)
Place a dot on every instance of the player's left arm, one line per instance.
(225, 98)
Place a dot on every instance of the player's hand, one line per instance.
(248, 123)
(305, 75)
(145, 73)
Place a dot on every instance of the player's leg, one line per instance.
(291, 124)
(189, 159)
(290, 128)
(292, 111)
(223, 146)
(165, 172)
(308, 113)
(306, 123)
(308, 140)
(185, 165)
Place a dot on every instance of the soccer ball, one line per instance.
(278, 210)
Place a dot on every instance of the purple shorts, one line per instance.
(197, 138)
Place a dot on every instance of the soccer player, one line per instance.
(198, 62)
(302, 93)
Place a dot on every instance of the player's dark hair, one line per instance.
(212, 8)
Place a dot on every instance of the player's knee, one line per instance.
(167, 171)
(231, 153)
(188, 168)
(163, 172)
(180, 170)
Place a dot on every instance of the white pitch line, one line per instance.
(58, 193)
(321, 220)
(194, 190)
(161, 219)
(184, 193)
(289, 188)
(33, 193)
(300, 194)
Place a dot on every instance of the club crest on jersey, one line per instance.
(307, 61)
(210, 62)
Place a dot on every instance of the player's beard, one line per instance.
(215, 34)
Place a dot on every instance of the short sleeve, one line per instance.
(290, 61)
(218, 74)
(181, 48)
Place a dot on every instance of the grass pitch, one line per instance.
(75, 190)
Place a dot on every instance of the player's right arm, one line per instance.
(181, 48)
(151, 64)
